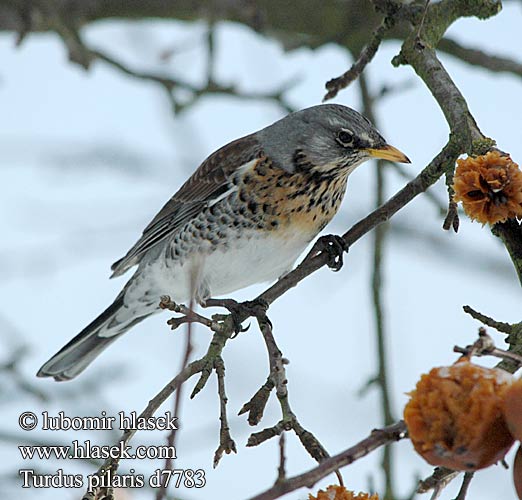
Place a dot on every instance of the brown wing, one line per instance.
(207, 183)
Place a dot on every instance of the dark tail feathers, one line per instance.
(75, 356)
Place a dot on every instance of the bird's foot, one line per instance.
(239, 311)
(334, 246)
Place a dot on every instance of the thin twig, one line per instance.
(376, 439)
(171, 440)
(226, 443)
(278, 377)
(466, 481)
(169, 84)
(335, 85)
(281, 470)
(452, 217)
(257, 403)
(440, 478)
(510, 233)
(111, 464)
(485, 346)
(476, 57)
(429, 194)
(81, 54)
(497, 325)
(189, 315)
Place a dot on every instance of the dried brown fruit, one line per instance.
(454, 416)
(336, 492)
(489, 187)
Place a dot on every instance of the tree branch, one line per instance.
(335, 85)
(510, 232)
(376, 439)
(475, 57)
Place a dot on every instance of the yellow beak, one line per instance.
(389, 153)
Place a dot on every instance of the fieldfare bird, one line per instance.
(243, 217)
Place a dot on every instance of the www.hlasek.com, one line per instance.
(177, 478)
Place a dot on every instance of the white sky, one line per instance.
(86, 159)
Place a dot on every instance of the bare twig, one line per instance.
(171, 439)
(111, 464)
(170, 84)
(485, 346)
(476, 57)
(60, 22)
(510, 232)
(497, 325)
(430, 195)
(278, 377)
(226, 443)
(440, 478)
(511, 359)
(281, 470)
(189, 316)
(335, 85)
(376, 439)
(466, 481)
(452, 217)
(257, 404)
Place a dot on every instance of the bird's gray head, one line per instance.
(325, 139)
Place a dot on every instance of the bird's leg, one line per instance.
(239, 311)
(334, 246)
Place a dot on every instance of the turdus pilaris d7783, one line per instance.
(243, 217)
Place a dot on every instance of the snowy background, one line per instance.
(87, 159)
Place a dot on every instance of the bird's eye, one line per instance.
(345, 138)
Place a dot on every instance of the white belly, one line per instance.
(257, 260)
(244, 262)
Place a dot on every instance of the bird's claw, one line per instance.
(239, 310)
(334, 246)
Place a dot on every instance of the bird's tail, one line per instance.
(75, 356)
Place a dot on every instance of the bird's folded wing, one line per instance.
(208, 183)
